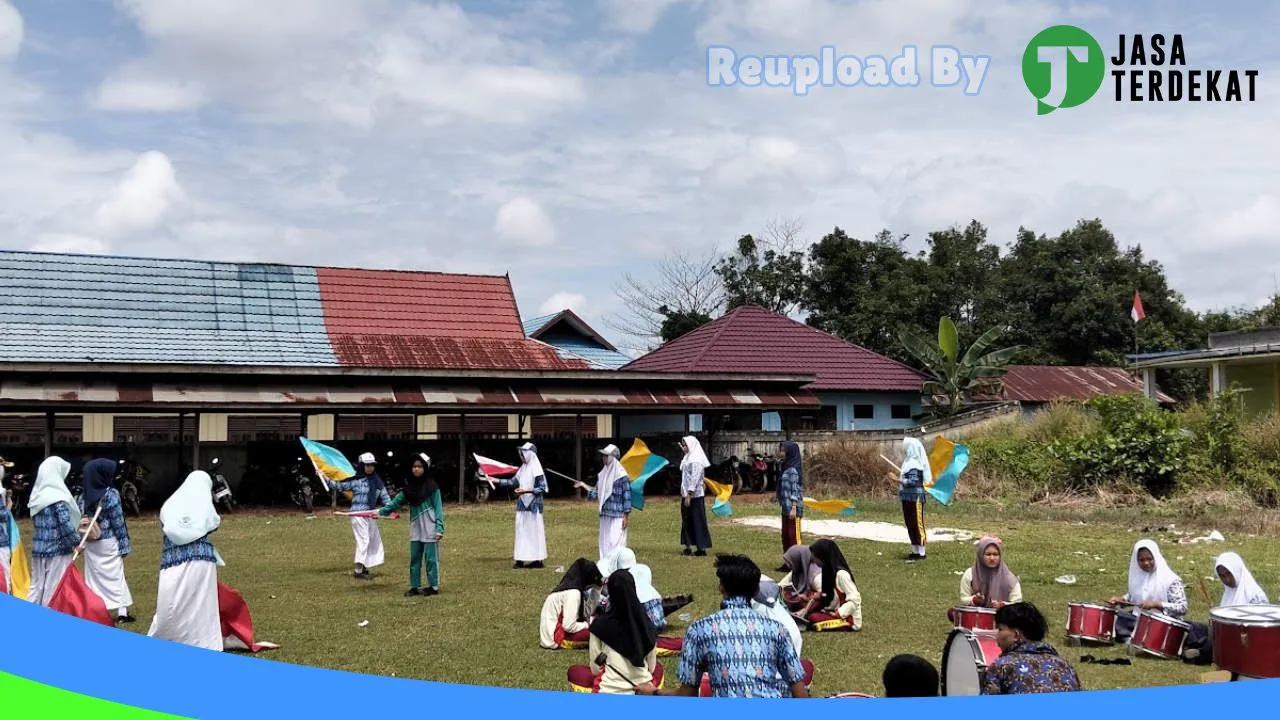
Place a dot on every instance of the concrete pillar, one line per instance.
(1149, 382)
(1217, 378)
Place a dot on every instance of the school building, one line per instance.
(1249, 360)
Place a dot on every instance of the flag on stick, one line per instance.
(843, 508)
(946, 461)
(19, 580)
(640, 464)
(493, 468)
(330, 464)
(74, 597)
(237, 625)
(1137, 312)
(722, 491)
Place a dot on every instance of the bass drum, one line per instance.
(965, 659)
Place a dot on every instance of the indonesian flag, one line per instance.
(74, 597)
(493, 468)
(237, 626)
(1137, 313)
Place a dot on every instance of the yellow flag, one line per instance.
(20, 571)
(832, 507)
(722, 491)
(940, 457)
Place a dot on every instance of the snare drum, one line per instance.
(1159, 635)
(974, 618)
(1091, 622)
(852, 695)
(1246, 639)
(965, 659)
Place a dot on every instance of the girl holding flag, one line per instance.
(104, 557)
(367, 492)
(56, 517)
(694, 532)
(187, 608)
(426, 526)
(913, 477)
(613, 491)
(530, 484)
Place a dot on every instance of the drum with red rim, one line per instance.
(1091, 622)
(965, 659)
(1246, 639)
(1159, 634)
(974, 618)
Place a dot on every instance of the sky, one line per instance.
(568, 142)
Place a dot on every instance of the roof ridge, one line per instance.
(724, 320)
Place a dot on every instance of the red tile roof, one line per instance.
(753, 340)
(1046, 383)
(395, 319)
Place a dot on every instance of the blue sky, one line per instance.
(572, 142)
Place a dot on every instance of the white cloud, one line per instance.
(524, 222)
(142, 199)
(638, 16)
(77, 244)
(129, 91)
(563, 301)
(11, 30)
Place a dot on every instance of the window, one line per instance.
(864, 412)
(900, 412)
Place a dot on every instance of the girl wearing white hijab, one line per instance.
(651, 601)
(1238, 588)
(694, 532)
(613, 491)
(913, 477)
(187, 600)
(531, 534)
(1153, 585)
(57, 518)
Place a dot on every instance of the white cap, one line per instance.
(368, 459)
(426, 459)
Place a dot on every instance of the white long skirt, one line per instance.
(104, 573)
(187, 606)
(531, 537)
(368, 542)
(46, 573)
(612, 535)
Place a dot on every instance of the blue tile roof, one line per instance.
(572, 347)
(134, 310)
(536, 324)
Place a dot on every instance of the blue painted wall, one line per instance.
(848, 406)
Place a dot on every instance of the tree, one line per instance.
(685, 287)
(768, 271)
(680, 322)
(954, 377)
(863, 291)
(962, 270)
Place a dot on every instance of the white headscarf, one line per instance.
(530, 469)
(1154, 585)
(51, 488)
(695, 456)
(917, 458)
(1247, 591)
(621, 559)
(768, 602)
(645, 590)
(609, 474)
(188, 514)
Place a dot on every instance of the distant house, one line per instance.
(1249, 359)
(858, 389)
(574, 339)
(1035, 386)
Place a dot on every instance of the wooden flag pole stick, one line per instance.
(84, 540)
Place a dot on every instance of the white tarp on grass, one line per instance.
(861, 530)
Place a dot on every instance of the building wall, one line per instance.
(862, 411)
(1262, 385)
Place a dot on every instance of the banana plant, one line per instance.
(955, 377)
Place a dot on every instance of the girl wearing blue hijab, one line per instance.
(104, 557)
(791, 494)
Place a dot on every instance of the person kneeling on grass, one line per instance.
(1027, 663)
(426, 526)
(838, 605)
(567, 611)
(651, 600)
(910, 676)
(741, 652)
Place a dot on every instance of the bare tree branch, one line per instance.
(683, 282)
(782, 235)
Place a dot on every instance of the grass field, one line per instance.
(295, 574)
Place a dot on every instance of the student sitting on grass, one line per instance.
(651, 600)
(567, 611)
(623, 646)
(1027, 663)
(426, 526)
(838, 604)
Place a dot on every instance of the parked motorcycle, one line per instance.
(19, 488)
(222, 498)
(762, 470)
(128, 475)
(303, 495)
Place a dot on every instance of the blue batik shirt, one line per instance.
(911, 487)
(358, 486)
(111, 520)
(656, 614)
(55, 534)
(1029, 667)
(539, 489)
(4, 525)
(791, 492)
(742, 652)
(618, 504)
(197, 550)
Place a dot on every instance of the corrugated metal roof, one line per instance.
(64, 308)
(575, 339)
(575, 347)
(752, 339)
(535, 324)
(1047, 383)
(285, 394)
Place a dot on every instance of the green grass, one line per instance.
(295, 575)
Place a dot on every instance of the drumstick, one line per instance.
(1204, 592)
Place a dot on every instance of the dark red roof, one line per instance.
(396, 319)
(751, 339)
(1046, 383)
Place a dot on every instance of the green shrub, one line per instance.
(1134, 439)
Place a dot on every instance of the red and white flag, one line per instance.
(237, 626)
(1137, 313)
(74, 597)
(493, 468)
